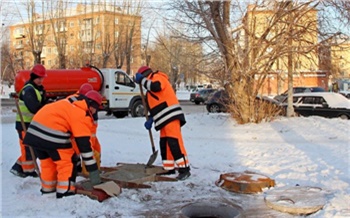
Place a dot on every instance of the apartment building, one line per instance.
(265, 22)
(104, 36)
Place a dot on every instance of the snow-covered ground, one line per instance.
(5, 91)
(310, 151)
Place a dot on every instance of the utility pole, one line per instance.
(290, 109)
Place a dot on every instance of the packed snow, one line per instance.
(300, 151)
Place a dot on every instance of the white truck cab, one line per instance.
(122, 94)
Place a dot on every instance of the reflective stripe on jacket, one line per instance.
(57, 123)
(26, 114)
(162, 101)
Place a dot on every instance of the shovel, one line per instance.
(153, 156)
(25, 131)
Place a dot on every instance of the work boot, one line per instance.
(47, 192)
(169, 172)
(66, 194)
(184, 173)
(18, 171)
(32, 174)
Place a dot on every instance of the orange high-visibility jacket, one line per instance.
(162, 102)
(95, 144)
(55, 124)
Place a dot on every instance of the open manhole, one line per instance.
(213, 210)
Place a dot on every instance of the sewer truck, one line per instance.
(121, 95)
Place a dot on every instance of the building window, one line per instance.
(43, 62)
(19, 30)
(50, 63)
(97, 20)
(116, 34)
(71, 24)
(116, 21)
(49, 50)
(71, 48)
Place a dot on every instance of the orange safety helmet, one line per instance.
(95, 97)
(85, 88)
(145, 70)
(39, 70)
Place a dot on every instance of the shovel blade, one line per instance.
(152, 158)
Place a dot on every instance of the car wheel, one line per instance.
(137, 109)
(214, 108)
(197, 102)
(344, 117)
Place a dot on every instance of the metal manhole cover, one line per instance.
(246, 182)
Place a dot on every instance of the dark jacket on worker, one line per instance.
(28, 95)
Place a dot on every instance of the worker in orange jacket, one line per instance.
(168, 117)
(51, 132)
(95, 144)
(31, 99)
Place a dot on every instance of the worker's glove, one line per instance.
(94, 177)
(148, 123)
(138, 78)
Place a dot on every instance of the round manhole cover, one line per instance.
(301, 200)
(214, 210)
(244, 182)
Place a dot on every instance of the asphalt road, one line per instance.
(7, 105)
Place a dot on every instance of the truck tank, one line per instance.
(63, 82)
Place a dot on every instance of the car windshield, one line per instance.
(317, 89)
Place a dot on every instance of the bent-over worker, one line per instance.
(95, 144)
(51, 132)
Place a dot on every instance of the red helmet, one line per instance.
(39, 70)
(145, 70)
(85, 88)
(95, 97)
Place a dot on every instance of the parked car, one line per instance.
(345, 93)
(201, 96)
(325, 104)
(284, 95)
(218, 102)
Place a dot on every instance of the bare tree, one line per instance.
(128, 27)
(58, 21)
(251, 45)
(176, 56)
(35, 27)
(7, 62)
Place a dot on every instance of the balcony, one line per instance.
(19, 36)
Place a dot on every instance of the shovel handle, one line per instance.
(146, 115)
(25, 131)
